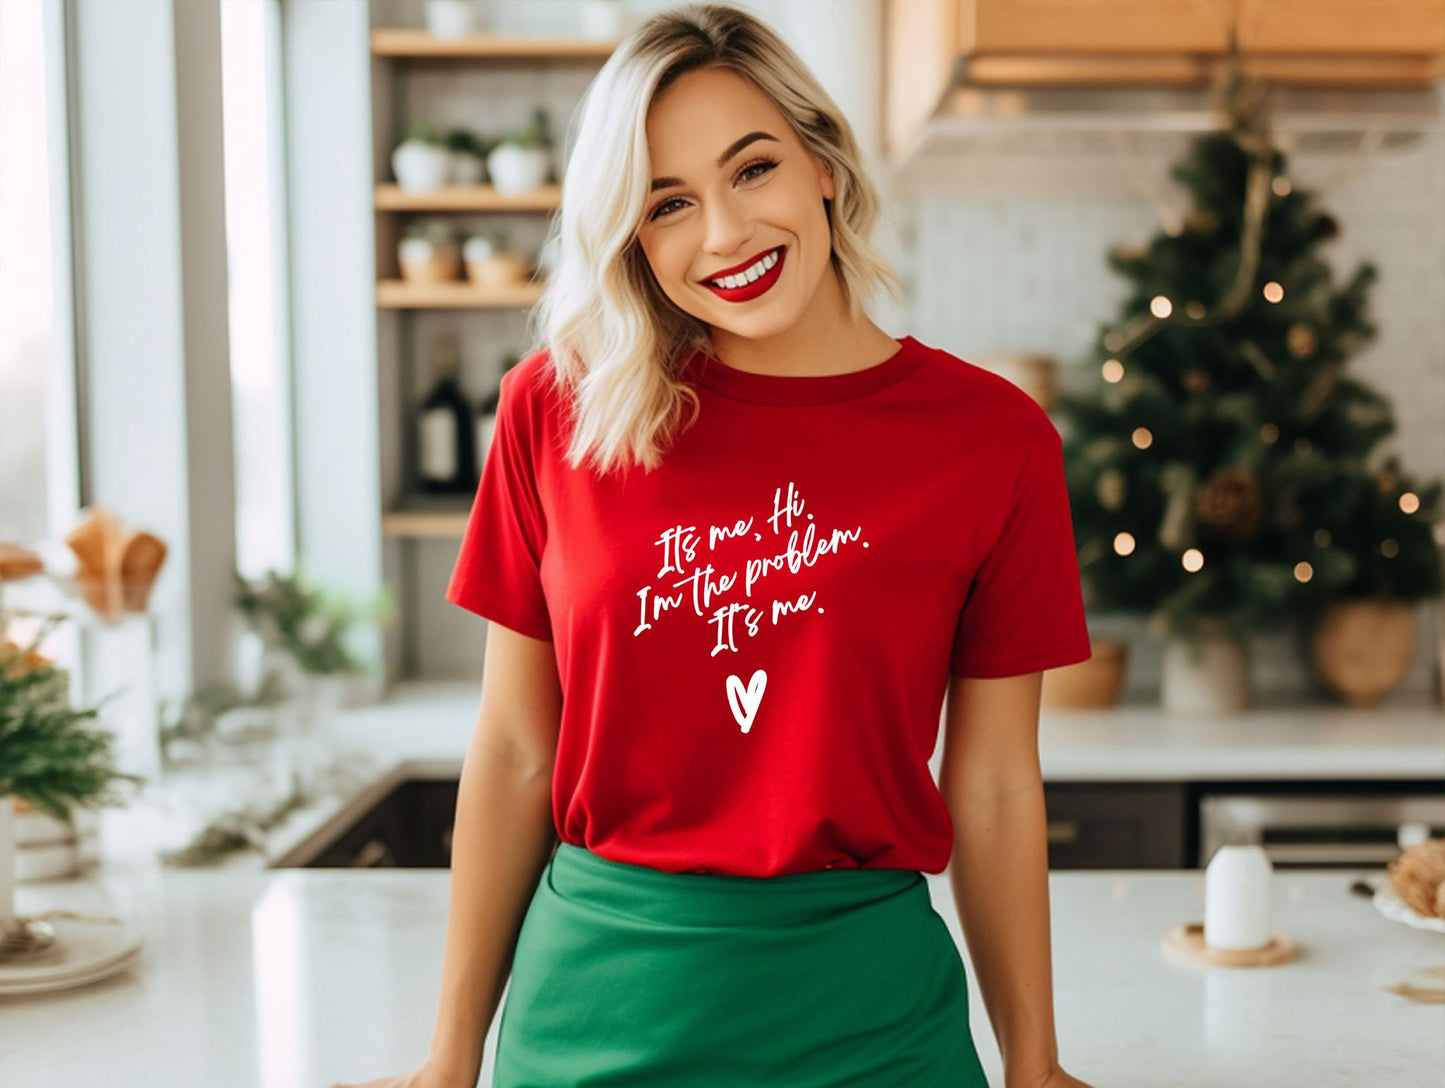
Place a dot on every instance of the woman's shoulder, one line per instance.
(986, 396)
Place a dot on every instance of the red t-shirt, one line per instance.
(754, 640)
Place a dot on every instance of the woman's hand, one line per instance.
(1054, 1078)
(427, 1076)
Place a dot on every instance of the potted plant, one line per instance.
(428, 252)
(522, 160)
(305, 632)
(1362, 639)
(489, 263)
(469, 157)
(50, 761)
(423, 161)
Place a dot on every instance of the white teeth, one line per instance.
(749, 275)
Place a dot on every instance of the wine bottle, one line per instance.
(487, 414)
(446, 457)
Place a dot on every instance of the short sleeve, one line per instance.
(1024, 609)
(498, 568)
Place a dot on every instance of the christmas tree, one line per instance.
(1220, 467)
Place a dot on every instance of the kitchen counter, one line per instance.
(423, 730)
(297, 978)
(1401, 739)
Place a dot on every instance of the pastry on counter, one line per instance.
(1418, 878)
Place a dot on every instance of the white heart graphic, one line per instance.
(745, 701)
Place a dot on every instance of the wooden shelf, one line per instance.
(390, 197)
(457, 295)
(425, 524)
(418, 44)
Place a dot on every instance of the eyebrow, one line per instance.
(732, 149)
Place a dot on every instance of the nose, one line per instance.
(726, 230)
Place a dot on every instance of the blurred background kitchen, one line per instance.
(264, 262)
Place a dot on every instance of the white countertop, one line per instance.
(1399, 739)
(296, 978)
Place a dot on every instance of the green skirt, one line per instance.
(628, 975)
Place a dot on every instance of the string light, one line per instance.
(1303, 572)
(1303, 445)
(1273, 292)
(1269, 433)
(1113, 370)
(1160, 307)
(1124, 543)
(1195, 310)
(1142, 438)
(1192, 560)
(1389, 547)
(1280, 186)
(1409, 502)
(1322, 537)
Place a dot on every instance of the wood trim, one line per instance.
(1341, 26)
(1400, 72)
(920, 48)
(390, 197)
(404, 42)
(1081, 71)
(1094, 26)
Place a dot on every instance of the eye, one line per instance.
(745, 174)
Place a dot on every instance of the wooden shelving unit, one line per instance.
(421, 518)
(420, 45)
(390, 197)
(457, 295)
(424, 524)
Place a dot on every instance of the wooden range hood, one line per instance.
(1368, 62)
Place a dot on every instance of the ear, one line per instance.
(829, 190)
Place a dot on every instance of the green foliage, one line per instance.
(49, 756)
(311, 626)
(1259, 445)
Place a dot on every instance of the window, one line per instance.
(256, 270)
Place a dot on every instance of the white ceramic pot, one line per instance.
(1208, 674)
(467, 169)
(7, 858)
(478, 248)
(421, 167)
(451, 18)
(517, 169)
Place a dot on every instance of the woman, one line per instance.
(736, 544)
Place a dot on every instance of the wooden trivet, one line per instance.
(1186, 944)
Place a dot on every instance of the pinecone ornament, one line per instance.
(1194, 380)
(1302, 340)
(1230, 505)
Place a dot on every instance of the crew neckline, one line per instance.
(713, 373)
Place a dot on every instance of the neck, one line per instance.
(825, 340)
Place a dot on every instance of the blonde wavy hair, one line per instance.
(616, 342)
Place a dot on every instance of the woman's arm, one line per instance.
(502, 839)
(991, 781)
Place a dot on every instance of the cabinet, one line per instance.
(934, 46)
(1091, 825)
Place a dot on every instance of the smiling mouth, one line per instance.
(775, 253)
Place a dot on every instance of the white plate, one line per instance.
(1392, 906)
(86, 951)
(11, 989)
